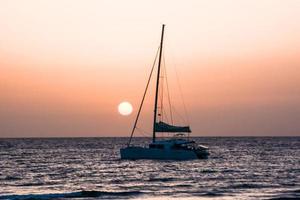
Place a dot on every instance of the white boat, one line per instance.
(175, 148)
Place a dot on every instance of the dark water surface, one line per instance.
(90, 168)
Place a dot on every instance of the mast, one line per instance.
(157, 82)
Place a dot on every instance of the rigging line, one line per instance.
(179, 115)
(161, 95)
(141, 105)
(168, 91)
(143, 132)
(163, 110)
(166, 116)
(181, 95)
(179, 85)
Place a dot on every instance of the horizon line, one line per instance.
(66, 137)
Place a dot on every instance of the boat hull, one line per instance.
(135, 153)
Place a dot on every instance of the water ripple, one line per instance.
(239, 168)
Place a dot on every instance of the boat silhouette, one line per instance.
(178, 147)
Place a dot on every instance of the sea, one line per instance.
(91, 168)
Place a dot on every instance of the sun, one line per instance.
(125, 108)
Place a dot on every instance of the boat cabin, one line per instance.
(173, 144)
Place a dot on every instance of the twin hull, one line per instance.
(134, 153)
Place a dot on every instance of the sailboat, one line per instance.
(176, 148)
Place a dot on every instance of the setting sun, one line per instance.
(125, 108)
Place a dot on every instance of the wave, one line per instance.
(208, 171)
(12, 178)
(288, 195)
(80, 194)
(167, 179)
(247, 186)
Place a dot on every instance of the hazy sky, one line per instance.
(65, 65)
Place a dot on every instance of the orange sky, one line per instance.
(66, 65)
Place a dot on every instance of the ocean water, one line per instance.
(90, 168)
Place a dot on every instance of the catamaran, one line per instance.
(177, 147)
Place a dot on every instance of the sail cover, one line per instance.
(164, 127)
